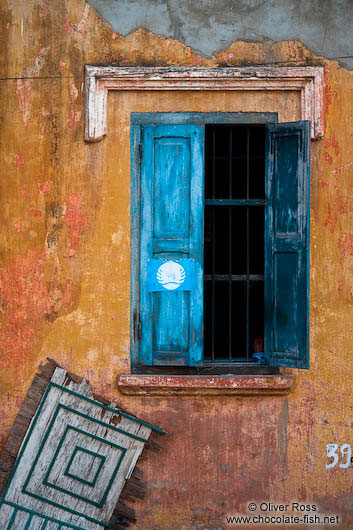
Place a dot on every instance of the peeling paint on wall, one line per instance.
(80, 27)
(44, 187)
(212, 25)
(26, 298)
(75, 219)
(24, 85)
(19, 160)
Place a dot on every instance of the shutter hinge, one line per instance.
(140, 153)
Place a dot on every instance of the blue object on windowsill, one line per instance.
(258, 358)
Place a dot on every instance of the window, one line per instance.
(219, 241)
(234, 242)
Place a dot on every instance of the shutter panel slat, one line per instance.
(171, 229)
(287, 245)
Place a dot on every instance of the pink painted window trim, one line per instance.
(309, 81)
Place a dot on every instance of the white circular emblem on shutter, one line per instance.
(171, 275)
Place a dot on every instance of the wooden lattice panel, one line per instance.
(73, 463)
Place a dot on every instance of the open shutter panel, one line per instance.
(287, 245)
(171, 230)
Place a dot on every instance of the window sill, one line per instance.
(218, 385)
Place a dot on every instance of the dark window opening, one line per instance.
(234, 242)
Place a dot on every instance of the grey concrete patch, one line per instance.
(208, 26)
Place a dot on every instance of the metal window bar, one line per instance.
(230, 253)
(213, 240)
(247, 241)
(211, 204)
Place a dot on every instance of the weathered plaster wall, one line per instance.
(208, 26)
(65, 267)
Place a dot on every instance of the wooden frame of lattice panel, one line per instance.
(76, 455)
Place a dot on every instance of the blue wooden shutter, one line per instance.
(287, 245)
(171, 228)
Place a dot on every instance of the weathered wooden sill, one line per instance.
(218, 385)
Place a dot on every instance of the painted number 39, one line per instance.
(333, 457)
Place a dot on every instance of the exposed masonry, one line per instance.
(209, 26)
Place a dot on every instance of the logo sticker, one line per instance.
(171, 275)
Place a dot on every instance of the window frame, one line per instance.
(167, 118)
(307, 81)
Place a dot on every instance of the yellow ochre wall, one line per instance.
(65, 267)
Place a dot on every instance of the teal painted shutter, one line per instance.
(287, 245)
(171, 228)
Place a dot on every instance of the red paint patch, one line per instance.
(23, 190)
(26, 298)
(73, 91)
(332, 142)
(327, 158)
(329, 95)
(18, 226)
(33, 213)
(75, 219)
(73, 118)
(344, 205)
(43, 114)
(67, 26)
(346, 244)
(331, 219)
(340, 286)
(19, 160)
(323, 183)
(44, 187)
(341, 204)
